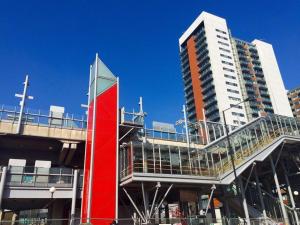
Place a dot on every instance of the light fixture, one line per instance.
(296, 193)
(52, 190)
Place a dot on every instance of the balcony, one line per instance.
(34, 182)
(209, 95)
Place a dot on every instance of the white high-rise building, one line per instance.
(220, 71)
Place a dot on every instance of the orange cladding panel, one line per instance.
(195, 74)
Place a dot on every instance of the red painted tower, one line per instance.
(100, 191)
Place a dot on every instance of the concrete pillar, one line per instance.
(72, 150)
(63, 153)
(285, 216)
(74, 196)
(245, 205)
(260, 194)
(290, 194)
(2, 184)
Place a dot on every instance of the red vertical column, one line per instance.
(100, 191)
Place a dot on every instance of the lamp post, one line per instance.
(230, 150)
(23, 98)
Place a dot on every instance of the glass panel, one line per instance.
(149, 160)
(137, 157)
(157, 159)
(175, 160)
(203, 163)
(194, 161)
(165, 159)
(185, 161)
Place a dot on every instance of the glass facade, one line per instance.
(212, 160)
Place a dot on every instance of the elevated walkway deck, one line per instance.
(212, 164)
(42, 124)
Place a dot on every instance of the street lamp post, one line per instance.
(23, 98)
(230, 150)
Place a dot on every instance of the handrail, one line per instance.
(246, 141)
(42, 118)
(41, 177)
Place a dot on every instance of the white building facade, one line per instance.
(220, 71)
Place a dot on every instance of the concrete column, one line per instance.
(2, 184)
(290, 194)
(260, 194)
(74, 195)
(245, 205)
(285, 216)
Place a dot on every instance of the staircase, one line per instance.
(251, 142)
(254, 206)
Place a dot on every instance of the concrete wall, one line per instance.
(273, 78)
(44, 131)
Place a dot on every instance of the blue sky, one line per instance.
(55, 41)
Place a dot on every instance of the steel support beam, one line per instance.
(146, 201)
(285, 216)
(134, 205)
(260, 194)
(245, 205)
(213, 188)
(74, 195)
(162, 200)
(290, 194)
(154, 199)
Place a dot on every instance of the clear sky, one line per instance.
(55, 41)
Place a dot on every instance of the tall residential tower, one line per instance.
(294, 98)
(220, 71)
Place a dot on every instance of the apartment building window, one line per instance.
(227, 63)
(223, 43)
(221, 37)
(233, 91)
(236, 106)
(221, 31)
(236, 122)
(226, 56)
(238, 114)
(232, 84)
(225, 50)
(234, 98)
(229, 76)
(227, 69)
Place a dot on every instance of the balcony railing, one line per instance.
(18, 176)
(213, 160)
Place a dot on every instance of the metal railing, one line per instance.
(41, 177)
(214, 159)
(133, 118)
(130, 221)
(42, 118)
(173, 136)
